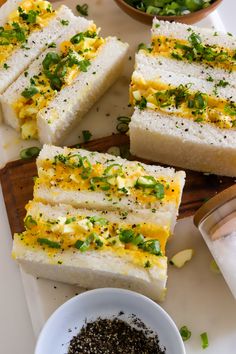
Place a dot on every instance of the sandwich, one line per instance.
(99, 181)
(26, 28)
(94, 249)
(185, 119)
(97, 220)
(200, 52)
(63, 83)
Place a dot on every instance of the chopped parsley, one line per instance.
(5, 66)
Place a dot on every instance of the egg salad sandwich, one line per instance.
(26, 28)
(184, 119)
(91, 180)
(94, 249)
(200, 52)
(63, 83)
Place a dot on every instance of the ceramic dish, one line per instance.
(67, 320)
(191, 18)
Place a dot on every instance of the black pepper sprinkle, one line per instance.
(114, 336)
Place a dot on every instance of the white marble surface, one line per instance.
(196, 296)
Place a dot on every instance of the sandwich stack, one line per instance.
(53, 93)
(184, 93)
(97, 220)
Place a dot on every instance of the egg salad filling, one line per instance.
(59, 69)
(143, 242)
(182, 101)
(193, 50)
(75, 172)
(31, 15)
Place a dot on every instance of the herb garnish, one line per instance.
(82, 9)
(204, 339)
(47, 242)
(86, 135)
(29, 152)
(29, 92)
(123, 124)
(185, 333)
(198, 51)
(65, 22)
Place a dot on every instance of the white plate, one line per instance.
(68, 319)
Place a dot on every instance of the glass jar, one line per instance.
(216, 220)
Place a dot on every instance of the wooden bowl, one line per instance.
(189, 19)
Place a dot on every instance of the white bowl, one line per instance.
(67, 320)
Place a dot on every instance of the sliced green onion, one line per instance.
(204, 338)
(102, 181)
(113, 170)
(146, 182)
(29, 152)
(126, 236)
(82, 9)
(47, 242)
(139, 238)
(83, 246)
(185, 333)
(70, 220)
(29, 222)
(86, 135)
(151, 246)
(97, 220)
(29, 92)
(123, 124)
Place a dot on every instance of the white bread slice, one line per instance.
(98, 199)
(181, 31)
(13, 92)
(199, 71)
(37, 42)
(69, 106)
(152, 71)
(93, 268)
(183, 143)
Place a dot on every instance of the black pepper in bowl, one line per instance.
(114, 336)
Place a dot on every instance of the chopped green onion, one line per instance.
(86, 135)
(29, 222)
(139, 238)
(151, 246)
(70, 220)
(97, 220)
(83, 246)
(185, 333)
(82, 9)
(47, 242)
(126, 236)
(64, 22)
(101, 182)
(123, 124)
(29, 92)
(29, 152)
(204, 338)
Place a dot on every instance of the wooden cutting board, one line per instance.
(17, 183)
